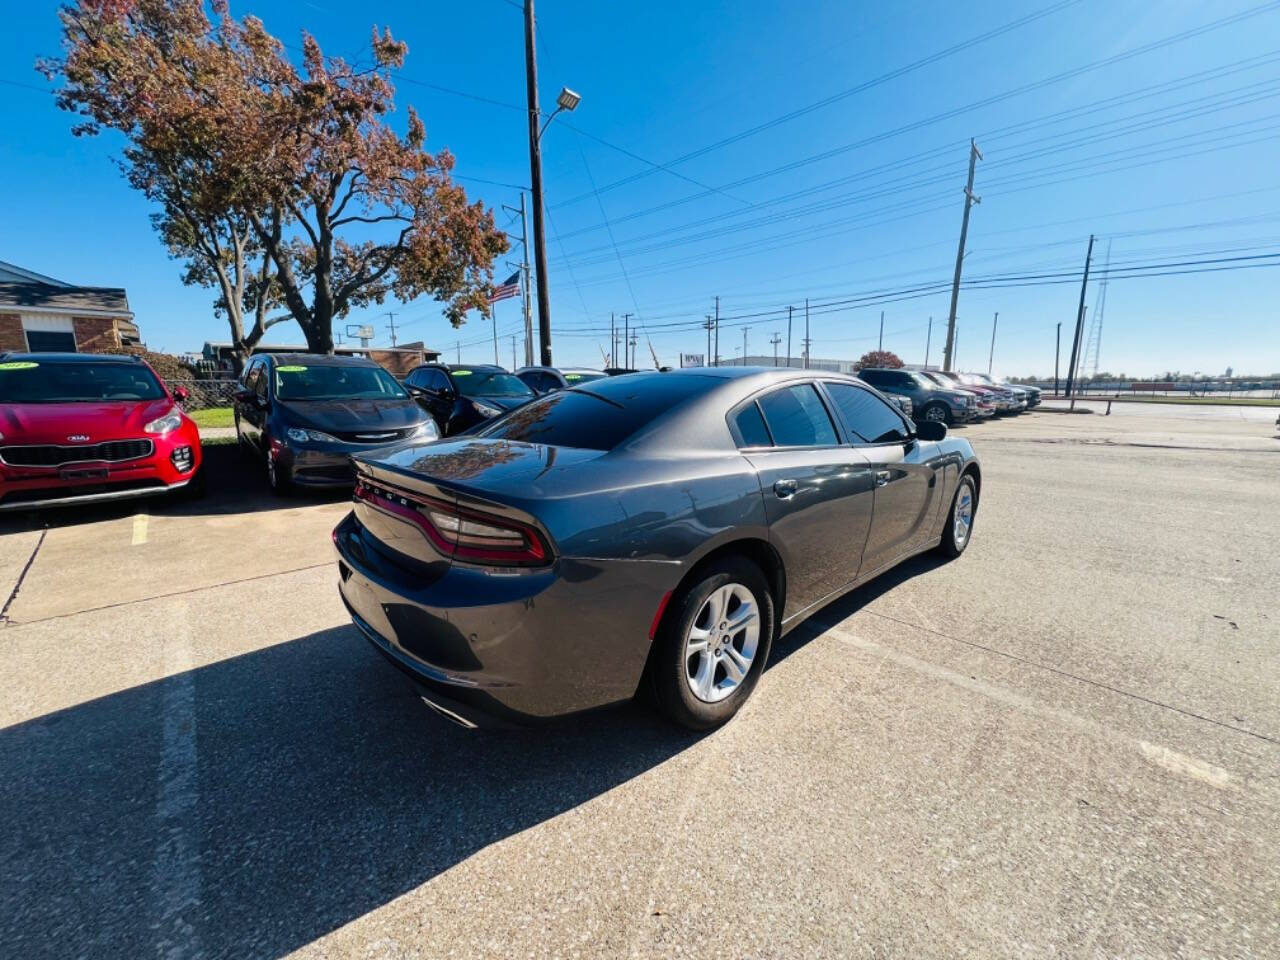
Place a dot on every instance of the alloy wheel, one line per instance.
(722, 642)
(936, 414)
(963, 521)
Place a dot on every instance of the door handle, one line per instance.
(784, 488)
(882, 477)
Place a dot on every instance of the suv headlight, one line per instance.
(167, 424)
(427, 430)
(486, 409)
(315, 436)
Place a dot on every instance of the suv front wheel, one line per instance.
(938, 412)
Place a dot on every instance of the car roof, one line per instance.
(319, 359)
(539, 369)
(72, 357)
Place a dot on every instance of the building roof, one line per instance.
(93, 301)
(12, 273)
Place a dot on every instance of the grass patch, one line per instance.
(218, 441)
(213, 417)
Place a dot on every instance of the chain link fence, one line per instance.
(207, 394)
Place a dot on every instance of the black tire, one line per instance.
(953, 545)
(942, 413)
(668, 679)
(277, 480)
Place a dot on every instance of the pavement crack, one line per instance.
(13, 594)
(157, 596)
(1077, 677)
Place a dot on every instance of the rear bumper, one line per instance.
(328, 465)
(497, 646)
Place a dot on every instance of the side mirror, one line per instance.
(181, 394)
(239, 395)
(931, 430)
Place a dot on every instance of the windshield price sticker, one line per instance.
(291, 369)
(461, 373)
(19, 365)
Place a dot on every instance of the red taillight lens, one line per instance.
(461, 532)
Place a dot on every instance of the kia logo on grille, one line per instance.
(78, 437)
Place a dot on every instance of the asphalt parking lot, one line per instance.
(1066, 743)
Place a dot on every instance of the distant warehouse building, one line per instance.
(39, 313)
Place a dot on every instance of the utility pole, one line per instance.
(535, 180)
(513, 352)
(631, 362)
(806, 333)
(775, 340)
(1075, 342)
(392, 327)
(1056, 351)
(613, 342)
(789, 312)
(525, 284)
(969, 200)
(459, 351)
(991, 357)
(493, 315)
(880, 348)
(928, 338)
(626, 335)
(744, 345)
(717, 359)
(709, 324)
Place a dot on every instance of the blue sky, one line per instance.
(1168, 156)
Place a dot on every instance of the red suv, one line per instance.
(81, 427)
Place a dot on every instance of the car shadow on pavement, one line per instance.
(235, 484)
(248, 807)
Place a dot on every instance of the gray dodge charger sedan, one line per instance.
(658, 531)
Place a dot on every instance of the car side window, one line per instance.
(869, 418)
(550, 382)
(797, 417)
(749, 427)
(439, 381)
(904, 379)
(871, 376)
(417, 378)
(531, 380)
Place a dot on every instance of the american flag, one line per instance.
(507, 289)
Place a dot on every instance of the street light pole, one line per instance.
(567, 100)
(992, 355)
(535, 179)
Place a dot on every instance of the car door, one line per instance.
(252, 408)
(818, 492)
(438, 396)
(906, 479)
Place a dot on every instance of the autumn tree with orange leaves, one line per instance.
(282, 186)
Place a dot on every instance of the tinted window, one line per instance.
(333, 381)
(598, 416)
(797, 418)
(530, 377)
(869, 417)
(573, 379)
(750, 426)
(43, 381)
(489, 383)
(872, 376)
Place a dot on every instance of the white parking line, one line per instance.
(139, 529)
(176, 870)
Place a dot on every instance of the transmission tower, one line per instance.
(1093, 345)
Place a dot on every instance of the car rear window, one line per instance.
(598, 416)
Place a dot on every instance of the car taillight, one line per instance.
(461, 532)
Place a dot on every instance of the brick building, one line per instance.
(39, 313)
